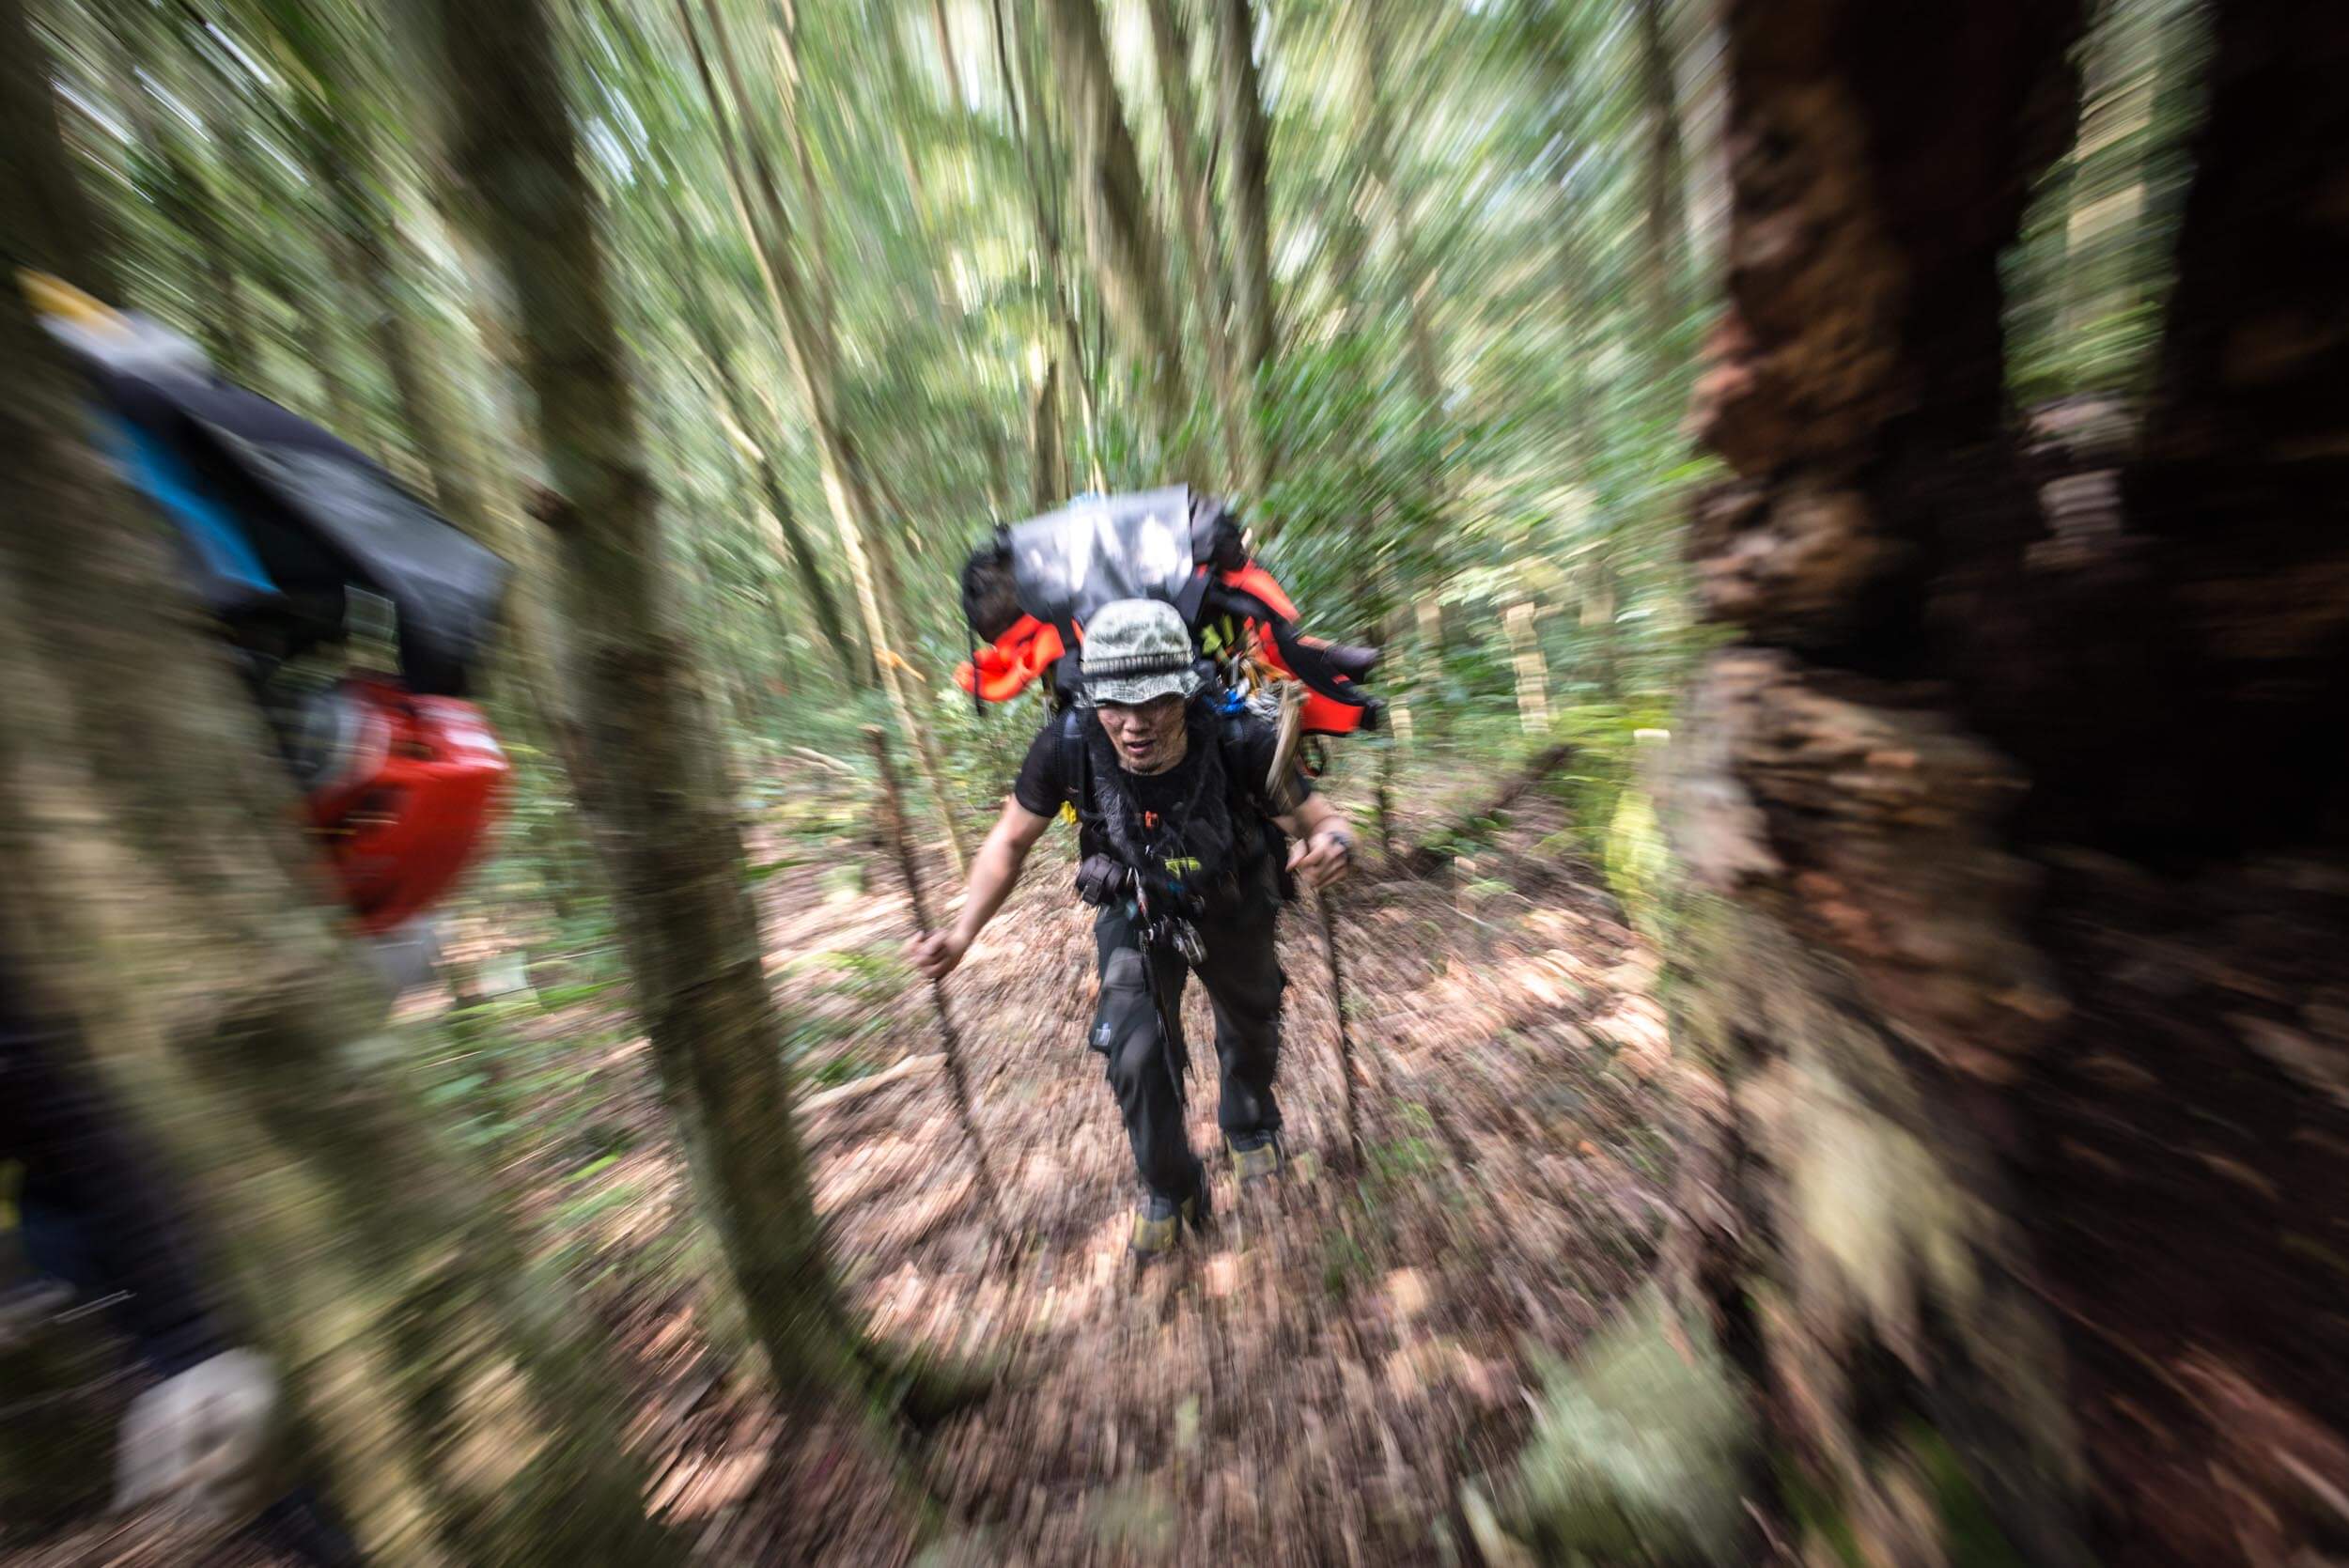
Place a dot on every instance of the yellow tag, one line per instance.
(1068, 811)
(54, 296)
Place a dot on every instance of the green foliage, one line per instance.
(1638, 1449)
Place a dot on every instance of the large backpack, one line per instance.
(1028, 593)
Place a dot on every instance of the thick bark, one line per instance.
(2025, 813)
(685, 909)
(155, 902)
(1121, 237)
(1871, 973)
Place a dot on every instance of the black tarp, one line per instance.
(1097, 550)
(323, 518)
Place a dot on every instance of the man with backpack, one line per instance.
(1180, 822)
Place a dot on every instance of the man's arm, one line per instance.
(1325, 845)
(994, 872)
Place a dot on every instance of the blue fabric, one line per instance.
(210, 529)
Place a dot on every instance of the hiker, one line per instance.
(1179, 833)
(100, 1224)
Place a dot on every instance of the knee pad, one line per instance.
(1124, 973)
(1124, 994)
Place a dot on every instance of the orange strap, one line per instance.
(1011, 664)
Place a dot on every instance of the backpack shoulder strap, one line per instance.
(1241, 783)
(1252, 803)
(1075, 761)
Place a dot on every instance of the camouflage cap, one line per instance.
(1136, 649)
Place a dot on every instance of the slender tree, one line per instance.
(1194, 205)
(659, 775)
(1121, 236)
(810, 347)
(1664, 173)
(1247, 151)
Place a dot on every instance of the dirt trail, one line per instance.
(1310, 1387)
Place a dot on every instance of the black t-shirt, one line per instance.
(1042, 786)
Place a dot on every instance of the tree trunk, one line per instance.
(441, 1396)
(801, 554)
(1121, 237)
(1247, 150)
(1867, 986)
(677, 870)
(2024, 838)
(1037, 157)
(1048, 464)
(808, 345)
(1195, 202)
(1662, 174)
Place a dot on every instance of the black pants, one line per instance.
(1243, 974)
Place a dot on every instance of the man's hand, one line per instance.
(1321, 859)
(937, 954)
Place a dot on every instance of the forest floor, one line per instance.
(1308, 1387)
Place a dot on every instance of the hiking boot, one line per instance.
(1160, 1222)
(1256, 1158)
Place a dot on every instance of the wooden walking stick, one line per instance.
(893, 820)
(1282, 789)
(1325, 910)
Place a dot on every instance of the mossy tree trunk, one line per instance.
(157, 902)
(1867, 982)
(658, 777)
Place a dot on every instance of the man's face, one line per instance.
(1148, 735)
